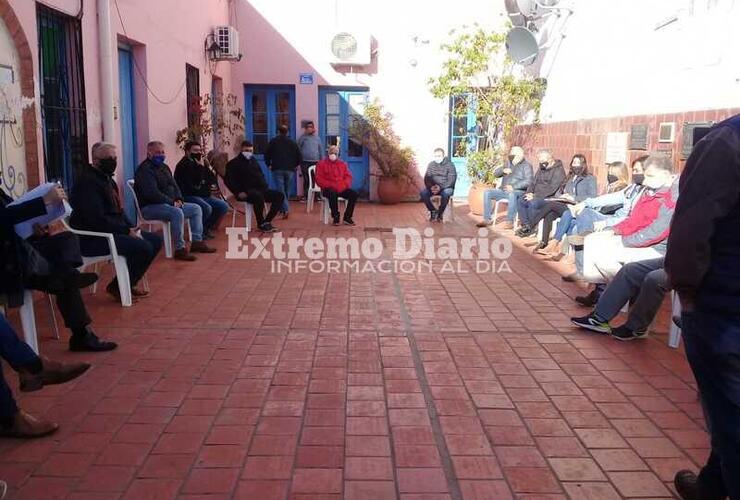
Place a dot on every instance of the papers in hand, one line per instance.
(54, 212)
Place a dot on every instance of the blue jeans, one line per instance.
(283, 180)
(213, 210)
(17, 353)
(565, 226)
(527, 209)
(176, 217)
(712, 342)
(445, 195)
(499, 194)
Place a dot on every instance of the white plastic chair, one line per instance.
(674, 333)
(449, 214)
(28, 321)
(248, 214)
(313, 189)
(326, 209)
(541, 228)
(165, 225)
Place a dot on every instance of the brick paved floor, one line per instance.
(233, 382)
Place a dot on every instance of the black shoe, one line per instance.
(266, 227)
(593, 323)
(56, 284)
(349, 221)
(433, 216)
(687, 485)
(524, 232)
(624, 333)
(335, 221)
(589, 300)
(87, 341)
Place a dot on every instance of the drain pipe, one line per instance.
(106, 70)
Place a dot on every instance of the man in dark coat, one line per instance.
(282, 157)
(440, 181)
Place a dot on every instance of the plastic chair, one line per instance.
(541, 228)
(326, 209)
(313, 189)
(248, 214)
(165, 225)
(674, 334)
(449, 214)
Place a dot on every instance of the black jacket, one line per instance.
(283, 153)
(548, 182)
(442, 174)
(155, 185)
(194, 179)
(96, 204)
(244, 175)
(520, 177)
(11, 274)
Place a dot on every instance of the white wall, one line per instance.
(12, 148)
(614, 63)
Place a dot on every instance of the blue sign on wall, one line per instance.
(306, 78)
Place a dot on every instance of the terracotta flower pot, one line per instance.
(390, 191)
(475, 197)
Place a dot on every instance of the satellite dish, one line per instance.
(522, 45)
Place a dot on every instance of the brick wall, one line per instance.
(588, 137)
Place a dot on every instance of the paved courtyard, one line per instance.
(234, 382)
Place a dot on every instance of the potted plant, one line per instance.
(396, 163)
(480, 78)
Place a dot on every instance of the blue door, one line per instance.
(338, 108)
(127, 155)
(466, 135)
(266, 108)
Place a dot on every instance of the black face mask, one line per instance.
(511, 158)
(108, 166)
(638, 178)
(196, 156)
(576, 170)
(611, 179)
(543, 165)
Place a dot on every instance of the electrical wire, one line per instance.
(141, 73)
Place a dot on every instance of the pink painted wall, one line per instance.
(166, 34)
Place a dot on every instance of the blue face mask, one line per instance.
(158, 159)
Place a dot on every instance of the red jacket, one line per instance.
(334, 175)
(649, 222)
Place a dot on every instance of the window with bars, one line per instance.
(62, 86)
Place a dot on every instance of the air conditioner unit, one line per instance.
(350, 48)
(667, 132)
(227, 38)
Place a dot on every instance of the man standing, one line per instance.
(548, 181)
(335, 180)
(516, 177)
(195, 181)
(440, 179)
(161, 199)
(245, 180)
(282, 157)
(97, 207)
(703, 265)
(311, 152)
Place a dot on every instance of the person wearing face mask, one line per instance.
(335, 180)
(160, 199)
(247, 183)
(548, 181)
(516, 176)
(641, 235)
(98, 206)
(196, 182)
(439, 179)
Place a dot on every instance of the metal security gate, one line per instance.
(63, 112)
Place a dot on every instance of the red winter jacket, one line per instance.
(649, 221)
(334, 175)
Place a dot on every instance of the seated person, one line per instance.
(595, 214)
(548, 180)
(96, 204)
(579, 186)
(247, 183)
(34, 373)
(617, 177)
(161, 199)
(335, 180)
(57, 255)
(516, 176)
(642, 235)
(196, 181)
(440, 181)
(644, 282)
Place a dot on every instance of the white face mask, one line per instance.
(438, 159)
(247, 154)
(333, 157)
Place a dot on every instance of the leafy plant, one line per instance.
(374, 130)
(226, 123)
(502, 98)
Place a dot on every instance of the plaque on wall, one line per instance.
(688, 136)
(639, 137)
